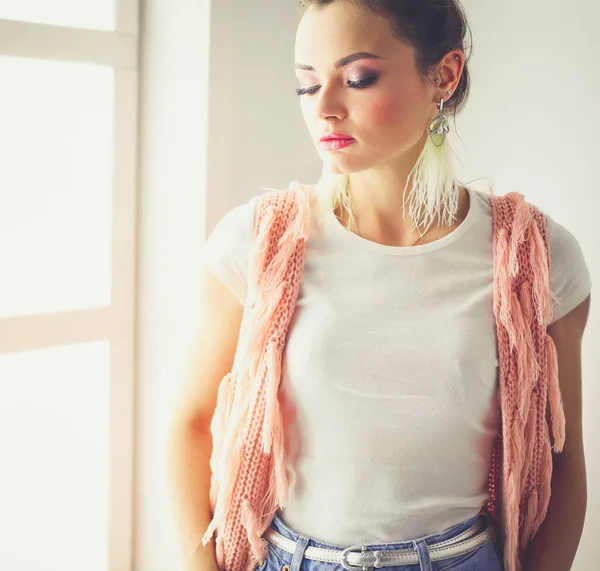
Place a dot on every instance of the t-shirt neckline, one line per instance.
(341, 231)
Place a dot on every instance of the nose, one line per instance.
(330, 103)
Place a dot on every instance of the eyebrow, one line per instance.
(344, 61)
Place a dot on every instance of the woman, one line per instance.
(390, 366)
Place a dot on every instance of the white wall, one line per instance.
(173, 151)
(257, 135)
(529, 125)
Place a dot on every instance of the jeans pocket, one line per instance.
(273, 561)
(454, 562)
(483, 558)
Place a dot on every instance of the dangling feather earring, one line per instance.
(434, 195)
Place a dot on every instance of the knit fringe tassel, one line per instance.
(218, 427)
(273, 436)
(519, 432)
(512, 436)
(259, 548)
(238, 391)
(543, 295)
(227, 451)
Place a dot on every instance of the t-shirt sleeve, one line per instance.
(228, 248)
(570, 279)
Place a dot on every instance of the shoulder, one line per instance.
(286, 200)
(562, 241)
(570, 279)
(228, 248)
(236, 224)
(240, 221)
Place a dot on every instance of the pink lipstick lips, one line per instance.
(335, 141)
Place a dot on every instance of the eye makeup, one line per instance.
(365, 81)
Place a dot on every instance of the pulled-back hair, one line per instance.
(432, 27)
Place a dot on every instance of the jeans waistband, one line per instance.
(278, 525)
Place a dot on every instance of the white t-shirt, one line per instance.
(391, 370)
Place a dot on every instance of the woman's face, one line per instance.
(381, 102)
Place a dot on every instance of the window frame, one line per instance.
(118, 49)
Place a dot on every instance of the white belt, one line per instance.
(359, 557)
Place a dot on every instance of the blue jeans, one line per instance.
(483, 558)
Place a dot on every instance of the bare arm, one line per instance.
(555, 545)
(190, 440)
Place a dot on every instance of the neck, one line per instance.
(400, 232)
(378, 193)
(380, 198)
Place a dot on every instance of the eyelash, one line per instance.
(354, 84)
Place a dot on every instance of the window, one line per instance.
(68, 149)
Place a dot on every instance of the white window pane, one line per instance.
(54, 477)
(56, 145)
(91, 14)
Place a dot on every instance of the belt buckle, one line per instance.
(359, 549)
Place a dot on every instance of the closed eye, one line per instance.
(354, 84)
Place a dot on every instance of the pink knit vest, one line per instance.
(249, 482)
